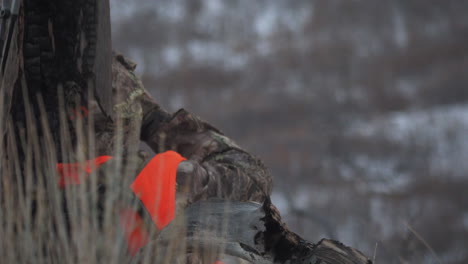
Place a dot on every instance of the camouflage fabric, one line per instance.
(122, 133)
(216, 166)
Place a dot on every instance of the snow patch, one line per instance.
(441, 131)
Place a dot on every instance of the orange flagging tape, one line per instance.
(134, 230)
(79, 113)
(156, 187)
(70, 172)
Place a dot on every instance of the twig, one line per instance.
(420, 238)
(375, 252)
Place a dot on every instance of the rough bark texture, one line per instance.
(52, 58)
(11, 79)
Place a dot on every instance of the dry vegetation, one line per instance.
(35, 226)
(43, 223)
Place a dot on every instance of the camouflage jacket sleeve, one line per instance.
(216, 167)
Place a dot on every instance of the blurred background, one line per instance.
(358, 107)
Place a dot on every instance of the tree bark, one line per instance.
(12, 79)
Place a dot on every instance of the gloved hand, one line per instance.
(191, 177)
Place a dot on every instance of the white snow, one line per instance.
(442, 131)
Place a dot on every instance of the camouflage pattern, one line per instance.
(123, 133)
(216, 166)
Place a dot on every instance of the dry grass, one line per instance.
(35, 227)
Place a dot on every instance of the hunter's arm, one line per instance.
(216, 166)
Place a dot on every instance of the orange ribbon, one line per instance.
(79, 113)
(156, 187)
(134, 230)
(70, 173)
